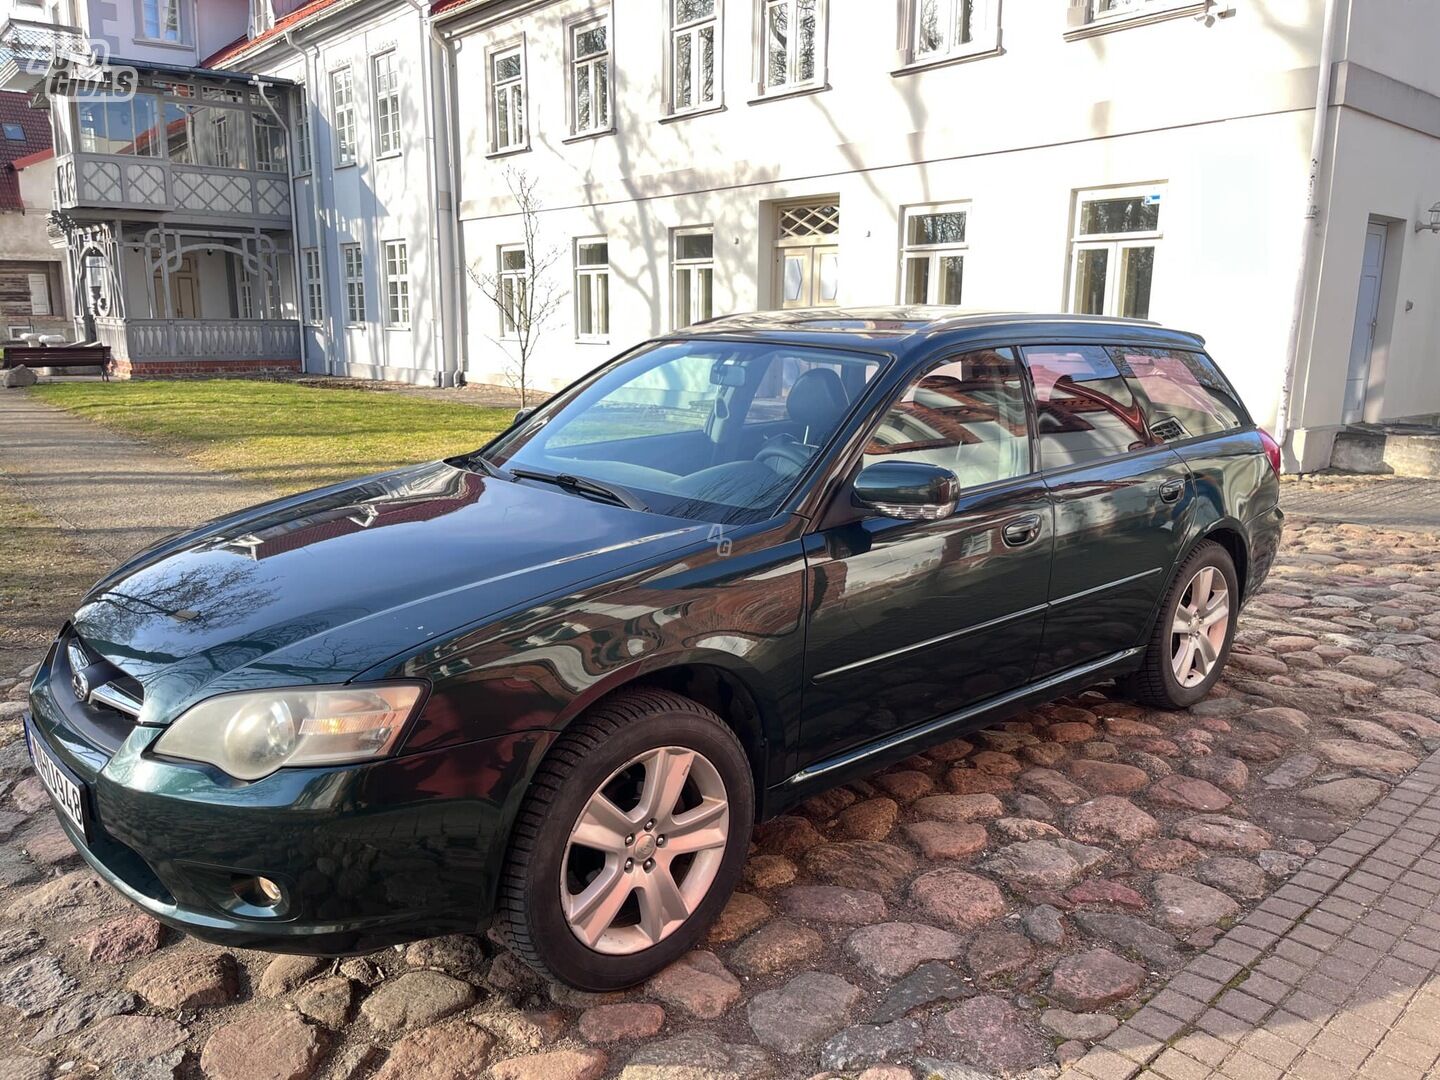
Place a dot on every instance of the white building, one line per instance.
(1135, 157)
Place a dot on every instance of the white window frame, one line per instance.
(574, 64)
(512, 283)
(984, 33)
(1114, 243)
(692, 30)
(314, 284)
(352, 266)
(818, 80)
(160, 37)
(1087, 18)
(692, 267)
(512, 95)
(593, 279)
(343, 119)
(264, 159)
(300, 126)
(385, 104)
(396, 256)
(932, 253)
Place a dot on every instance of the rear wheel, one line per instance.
(1191, 640)
(629, 842)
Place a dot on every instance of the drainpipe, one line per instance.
(311, 62)
(297, 274)
(1312, 214)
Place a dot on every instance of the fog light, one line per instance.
(258, 891)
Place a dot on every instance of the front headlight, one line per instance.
(251, 735)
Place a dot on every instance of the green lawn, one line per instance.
(289, 437)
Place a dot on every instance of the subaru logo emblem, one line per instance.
(81, 685)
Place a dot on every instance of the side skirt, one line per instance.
(866, 759)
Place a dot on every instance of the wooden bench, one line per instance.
(58, 356)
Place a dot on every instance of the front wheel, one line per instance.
(629, 842)
(1191, 640)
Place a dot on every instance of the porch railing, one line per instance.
(201, 339)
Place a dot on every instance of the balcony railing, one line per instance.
(200, 339)
(28, 49)
(122, 181)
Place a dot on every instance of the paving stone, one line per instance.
(1259, 746)
(890, 950)
(1031, 806)
(121, 940)
(166, 1066)
(536, 1027)
(959, 808)
(1219, 831)
(1034, 864)
(459, 955)
(1183, 904)
(1093, 979)
(929, 983)
(1293, 770)
(991, 1033)
(1104, 891)
(742, 913)
(803, 1013)
(906, 785)
(78, 895)
(327, 1001)
(769, 871)
(1407, 723)
(81, 1009)
(777, 946)
(1018, 830)
(35, 985)
(1240, 878)
(1286, 722)
(1367, 731)
(1044, 924)
(834, 904)
(47, 844)
(869, 820)
(968, 780)
(1086, 1027)
(15, 869)
(18, 941)
(1108, 777)
(267, 1044)
(453, 1050)
(940, 840)
(1131, 935)
(126, 1038)
(1179, 792)
(1164, 854)
(1351, 754)
(698, 983)
(285, 973)
(867, 1044)
(415, 999)
(584, 1064)
(1349, 796)
(861, 864)
(959, 898)
(621, 1021)
(994, 954)
(697, 1056)
(1049, 784)
(787, 835)
(1111, 818)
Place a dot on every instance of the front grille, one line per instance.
(99, 700)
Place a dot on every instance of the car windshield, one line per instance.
(708, 429)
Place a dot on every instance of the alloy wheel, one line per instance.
(1199, 627)
(645, 850)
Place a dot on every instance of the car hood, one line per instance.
(320, 587)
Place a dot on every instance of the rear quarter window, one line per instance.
(1183, 394)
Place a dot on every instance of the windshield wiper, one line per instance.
(485, 465)
(580, 485)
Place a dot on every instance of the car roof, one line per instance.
(904, 327)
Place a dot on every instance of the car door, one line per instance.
(1121, 501)
(913, 620)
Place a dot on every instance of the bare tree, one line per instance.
(527, 297)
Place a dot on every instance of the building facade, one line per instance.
(1145, 158)
(33, 291)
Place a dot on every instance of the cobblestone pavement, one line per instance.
(1387, 501)
(996, 906)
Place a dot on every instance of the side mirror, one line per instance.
(910, 490)
(521, 414)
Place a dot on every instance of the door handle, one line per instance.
(1022, 530)
(1171, 490)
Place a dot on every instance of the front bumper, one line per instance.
(367, 855)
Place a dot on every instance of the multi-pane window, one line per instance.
(397, 283)
(514, 277)
(590, 76)
(507, 80)
(162, 19)
(692, 276)
(342, 108)
(354, 266)
(314, 290)
(941, 28)
(304, 156)
(119, 125)
(694, 35)
(592, 289)
(386, 87)
(791, 43)
(934, 255)
(1112, 265)
(269, 143)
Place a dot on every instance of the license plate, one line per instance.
(68, 793)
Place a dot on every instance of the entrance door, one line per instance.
(184, 292)
(1367, 314)
(807, 255)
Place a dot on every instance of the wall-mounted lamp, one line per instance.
(1433, 225)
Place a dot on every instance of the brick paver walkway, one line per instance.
(1336, 975)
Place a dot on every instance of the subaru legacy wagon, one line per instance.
(553, 683)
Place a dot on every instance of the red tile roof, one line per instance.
(439, 7)
(35, 125)
(243, 44)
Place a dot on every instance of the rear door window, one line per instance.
(1182, 392)
(1084, 409)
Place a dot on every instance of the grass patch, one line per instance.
(286, 436)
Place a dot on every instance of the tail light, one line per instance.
(1272, 450)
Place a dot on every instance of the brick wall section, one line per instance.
(174, 369)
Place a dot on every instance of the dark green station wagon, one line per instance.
(555, 682)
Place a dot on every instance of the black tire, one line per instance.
(529, 915)
(1155, 683)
